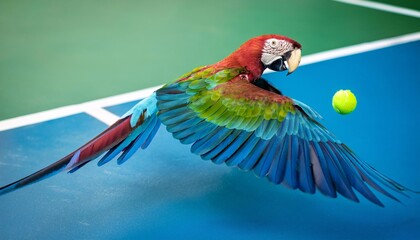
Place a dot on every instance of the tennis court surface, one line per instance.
(167, 192)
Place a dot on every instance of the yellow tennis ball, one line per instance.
(344, 101)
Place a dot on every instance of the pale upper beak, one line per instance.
(294, 60)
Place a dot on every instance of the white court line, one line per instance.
(91, 107)
(360, 48)
(383, 7)
(74, 109)
(102, 115)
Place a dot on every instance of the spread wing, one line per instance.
(229, 120)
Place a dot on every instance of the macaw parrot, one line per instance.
(231, 115)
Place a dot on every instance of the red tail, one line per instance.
(91, 150)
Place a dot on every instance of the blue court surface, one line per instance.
(166, 192)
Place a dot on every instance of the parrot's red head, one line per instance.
(271, 51)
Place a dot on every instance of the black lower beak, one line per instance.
(278, 65)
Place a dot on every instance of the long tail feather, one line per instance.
(139, 124)
(100, 144)
(37, 176)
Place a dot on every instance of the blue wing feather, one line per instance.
(249, 162)
(229, 146)
(201, 130)
(341, 183)
(297, 151)
(306, 183)
(243, 152)
(263, 165)
(210, 141)
(224, 138)
(322, 176)
(152, 134)
(184, 125)
(147, 130)
(290, 178)
(278, 166)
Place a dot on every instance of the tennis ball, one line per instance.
(344, 101)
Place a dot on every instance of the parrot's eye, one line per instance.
(274, 43)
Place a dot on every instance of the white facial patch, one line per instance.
(274, 49)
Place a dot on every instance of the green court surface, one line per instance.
(56, 53)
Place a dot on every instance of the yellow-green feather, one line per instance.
(210, 103)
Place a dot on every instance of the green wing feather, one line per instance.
(223, 98)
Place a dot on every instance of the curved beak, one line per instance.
(294, 60)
